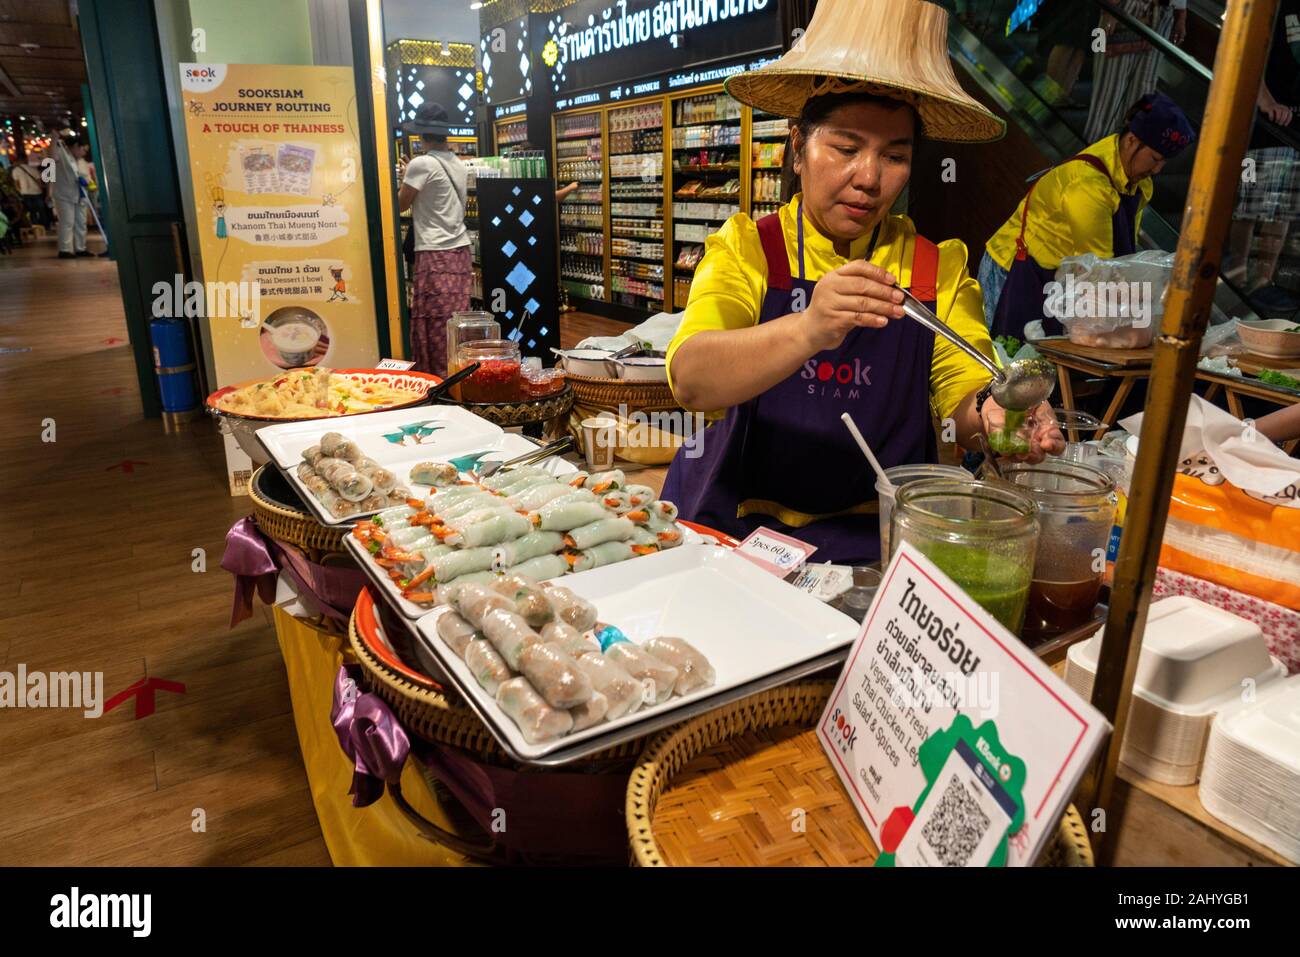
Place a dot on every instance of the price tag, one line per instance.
(395, 365)
(774, 552)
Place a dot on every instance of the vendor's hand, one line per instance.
(858, 294)
(401, 168)
(1046, 438)
(1179, 31)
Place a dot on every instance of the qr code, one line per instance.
(956, 826)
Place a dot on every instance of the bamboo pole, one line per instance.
(1216, 174)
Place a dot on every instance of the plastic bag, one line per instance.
(1222, 340)
(1112, 303)
(655, 333)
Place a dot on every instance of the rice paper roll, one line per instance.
(509, 634)
(510, 583)
(668, 534)
(473, 602)
(642, 539)
(488, 668)
(617, 502)
(330, 443)
(666, 511)
(577, 479)
(624, 693)
(407, 536)
(570, 609)
(373, 502)
(436, 474)
(493, 531)
(537, 720)
(454, 492)
(327, 466)
(599, 532)
(640, 495)
(554, 673)
(535, 497)
(464, 520)
(465, 505)
(381, 478)
(693, 669)
(591, 713)
(336, 505)
(600, 556)
(312, 454)
(447, 592)
(348, 451)
(574, 642)
(542, 567)
(305, 471)
(456, 633)
(526, 483)
(460, 562)
(317, 485)
(399, 495)
(563, 515)
(530, 604)
(503, 479)
(642, 665)
(604, 481)
(511, 553)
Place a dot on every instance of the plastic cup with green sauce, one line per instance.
(982, 536)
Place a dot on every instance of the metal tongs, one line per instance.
(487, 469)
(1022, 386)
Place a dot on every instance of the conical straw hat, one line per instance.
(894, 48)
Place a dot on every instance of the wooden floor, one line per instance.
(97, 577)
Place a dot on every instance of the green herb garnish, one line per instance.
(1278, 378)
(373, 548)
(1010, 345)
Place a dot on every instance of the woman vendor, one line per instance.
(797, 318)
(1091, 203)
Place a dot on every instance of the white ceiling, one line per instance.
(450, 20)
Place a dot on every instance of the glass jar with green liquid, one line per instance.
(983, 536)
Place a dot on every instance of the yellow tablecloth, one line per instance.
(376, 835)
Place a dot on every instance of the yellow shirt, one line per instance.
(731, 281)
(1070, 210)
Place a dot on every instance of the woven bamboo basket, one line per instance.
(295, 527)
(612, 393)
(527, 412)
(744, 769)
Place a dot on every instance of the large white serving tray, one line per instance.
(756, 630)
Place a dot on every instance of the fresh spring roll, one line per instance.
(577, 479)
(503, 479)
(316, 484)
(474, 601)
(346, 450)
(664, 510)
(591, 713)
(643, 540)
(464, 520)
(454, 492)
(487, 667)
(668, 534)
(530, 603)
(642, 665)
(569, 638)
(435, 474)
(693, 669)
(532, 545)
(604, 481)
(396, 517)
(330, 443)
(398, 495)
(508, 584)
(312, 454)
(456, 633)
(537, 720)
(554, 673)
(406, 537)
(640, 495)
(535, 497)
(509, 635)
(600, 532)
(462, 561)
(542, 567)
(563, 515)
(464, 505)
(305, 471)
(351, 484)
(525, 484)
(373, 502)
(336, 504)
(600, 556)
(620, 503)
(570, 609)
(381, 478)
(624, 693)
(492, 531)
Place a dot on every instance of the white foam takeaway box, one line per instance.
(1195, 659)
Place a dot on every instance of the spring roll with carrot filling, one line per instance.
(534, 498)
(511, 553)
(435, 474)
(510, 635)
(643, 541)
(487, 667)
(537, 720)
(465, 505)
(600, 556)
(527, 483)
(623, 692)
(642, 665)
(693, 669)
(456, 633)
(563, 515)
(503, 479)
(554, 674)
(599, 532)
(639, 495)
(542, 567)
(570, 609)
(604, 481)
(577, 479)
(620, 503)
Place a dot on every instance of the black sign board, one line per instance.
(506, 56)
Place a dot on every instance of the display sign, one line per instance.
(957, 745)
(281, 213)
(594, 43)
(773, 552)
(513, 109)
(676, 81)
(506, 57)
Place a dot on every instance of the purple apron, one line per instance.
(1022, 297)
(788, 448)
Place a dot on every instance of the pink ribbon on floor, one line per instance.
(370, 736)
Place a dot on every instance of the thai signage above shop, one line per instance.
(668, 83)
(593, 43)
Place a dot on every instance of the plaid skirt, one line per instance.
(1272, 197)
(442, 282)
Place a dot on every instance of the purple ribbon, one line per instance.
(371, 738)
(249, 559)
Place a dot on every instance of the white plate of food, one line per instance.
(739, 625)
(530, 530)
(386, 437)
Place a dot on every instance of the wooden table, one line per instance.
(1126, 365)
(1234, 387)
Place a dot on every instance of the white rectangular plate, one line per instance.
(383, 436)
(748, 623)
